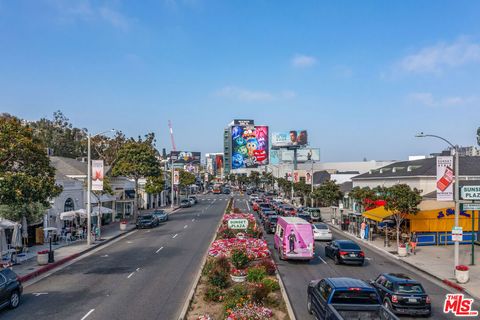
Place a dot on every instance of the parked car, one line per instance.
(192, 201)
(345, 298)
(161, 215)
(402, 295)
(345, 251)
(226, 191)
(270, 224)
(293, 239)
(314, 213)
(185, 203)
(305, 216)
(194, 198)
(147, 221)
(11, 289)
(321, 231)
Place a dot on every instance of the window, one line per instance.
(324, 289)
(388, 285)
(410, 288)
(69, 205)
(3, 280)
(380, 280)
(354, 297)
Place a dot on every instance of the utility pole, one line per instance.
(311, 185)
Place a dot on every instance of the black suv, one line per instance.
(402, 295)
(10, 289)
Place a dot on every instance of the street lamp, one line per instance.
(457, 187)
(89, 186)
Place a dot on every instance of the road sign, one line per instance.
(457, 234)
(237, 224)
(471, 206)
(470, 193)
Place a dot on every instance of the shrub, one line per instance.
(271, 284)
(237, 210)
(239, 258)
(259, 292)
(225, 233)
(269, 266)
(256, 274)
(209, 265)
(223, 263)
(218, 278)
(213, 294)
(236, 296)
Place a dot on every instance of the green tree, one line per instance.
(284, 185)
(27, 180)
(232, 177)
(478, 136)
(136, 159)
(186, 178)
(401, 200)
(106, 148)
(254, 178)
(155, 185)
(328, 194)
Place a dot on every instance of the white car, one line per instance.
(321, 231)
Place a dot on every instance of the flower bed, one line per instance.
(256, 248)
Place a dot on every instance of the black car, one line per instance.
(270, 224)
(402, 295)
(10, 289)
(147, 221)
(161, 215)
(345, 251)
(305, 216)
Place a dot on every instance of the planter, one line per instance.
(461, 276)
(238, 278)
(123, 226)
(42, 258)
(402, 251)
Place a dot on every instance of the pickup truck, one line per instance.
(345, 298)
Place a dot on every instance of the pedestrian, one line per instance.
(362, 229)
(413, 242)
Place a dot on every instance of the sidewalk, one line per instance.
(437, 261)
(29, 269)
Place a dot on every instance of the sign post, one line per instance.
(457, 234)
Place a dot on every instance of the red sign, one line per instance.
(459, 305)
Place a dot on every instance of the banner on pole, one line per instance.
(97, 175)
(445, 177)
(176, 177)
(308, 178)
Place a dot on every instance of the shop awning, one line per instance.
(378, 214)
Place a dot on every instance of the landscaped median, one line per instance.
(238, 280)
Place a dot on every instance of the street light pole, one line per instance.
(456, 190)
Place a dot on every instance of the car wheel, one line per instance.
(14, 299)
(336, 260)
(280, 254)
(309, 304)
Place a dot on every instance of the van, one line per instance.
(293, 239)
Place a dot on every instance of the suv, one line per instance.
(402, 295)
(10, 289)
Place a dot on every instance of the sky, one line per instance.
(363, 77)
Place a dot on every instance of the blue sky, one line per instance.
(361, 76)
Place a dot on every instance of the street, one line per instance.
(297, 274)
(146, 275)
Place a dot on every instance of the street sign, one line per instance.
(457, 234)
(471, 206)
(237, 224)
(176, 177)
(470, 193)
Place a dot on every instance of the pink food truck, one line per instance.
(294, 239)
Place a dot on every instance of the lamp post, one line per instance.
(89, 185)
(456, 189)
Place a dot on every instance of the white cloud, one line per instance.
(247, 95)
(303, 61)
(428, 99)
(436, 58)
(115, 18)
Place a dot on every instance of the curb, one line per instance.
(290, 312)
(188, 301)
(50, 266)
(447, 282)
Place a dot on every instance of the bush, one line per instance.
(259, 292)
(239, 258)
(218, 278)
(256, 274)
(237, 210)
(213, 294)
(271, 284)
(209, 265)
(225, 233)
(223, 263)
(236, 296)
(269, 266)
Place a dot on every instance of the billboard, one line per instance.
(303, 155)
(289, 138)
(219, 164)
(243, 122)
(444, 185)
(97, 175)
(185, 157)
(249, 146)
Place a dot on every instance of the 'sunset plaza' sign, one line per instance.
(471, 192)
(237, 224)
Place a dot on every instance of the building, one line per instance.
(214, 164)
(471, 151)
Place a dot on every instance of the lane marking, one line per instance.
(131, 274)
(368, 259)
(248, 206)
(88, 313)
(137, 269)
(193, 219)
(325, 262)
(37, 294)
(185, 227)
(148, 231)
(105, 255)
(176, 234)
(159, 249)
(129, 242)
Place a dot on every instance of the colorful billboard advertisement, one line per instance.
(219, 164)
(278, 156)
(97, 175)
(289, 138)
(185, 157)
(249, 146)
(445, 177)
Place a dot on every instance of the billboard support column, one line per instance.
(171, 186)
(457, 203)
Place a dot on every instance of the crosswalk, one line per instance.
(211, 199)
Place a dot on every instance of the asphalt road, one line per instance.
(146, 275)
(297, 274)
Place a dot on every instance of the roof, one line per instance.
(378, 214)
(399, 277)
(346, 187)
(294, 220)
(71, 167)
(348, 283)
(469, 166)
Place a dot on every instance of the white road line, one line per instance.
(176, 234)
(185, 226)
(368, 259)
(248, 206)
(37, 294)
(129, 241)
(131, 274)
(159, 249)
(322, 260)
(88, 313)
(193, 219)
(137, 269)
(105, 255)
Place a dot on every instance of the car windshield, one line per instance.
(273, 219)
(354, 297)
(410, 288)
(321, 226)
(348, 245)
(145, 217)
(159, 213)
